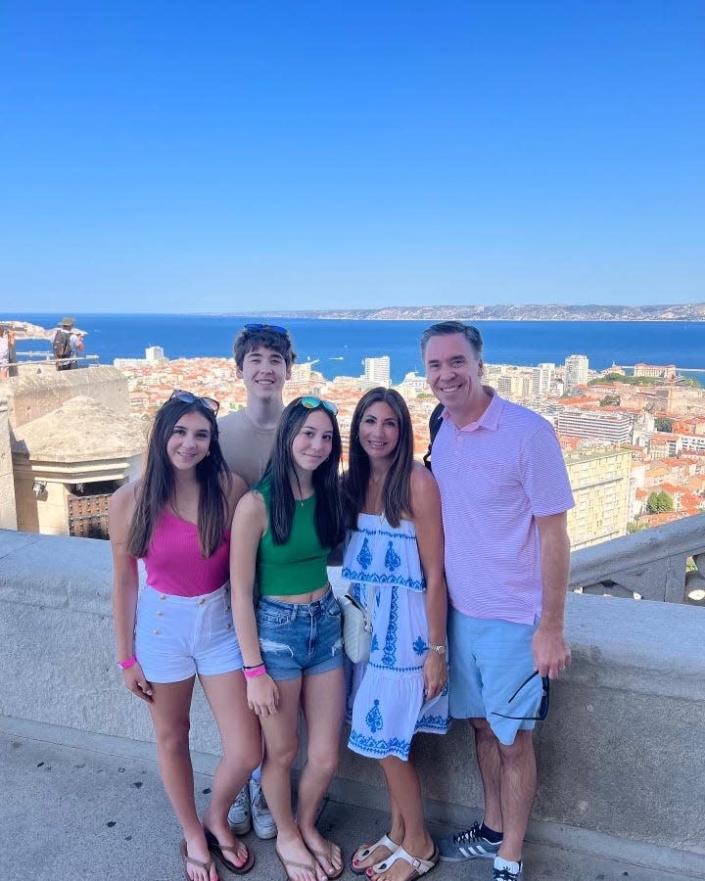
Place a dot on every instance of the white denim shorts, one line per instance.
(177, 637)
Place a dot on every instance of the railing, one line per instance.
(44, 358)
(654, 564)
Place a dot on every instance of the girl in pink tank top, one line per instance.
(177, 519)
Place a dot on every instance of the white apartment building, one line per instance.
(377, 371)
(613, 428)
(154, 353)
(576, 371)
(413, 385)
(542, 377)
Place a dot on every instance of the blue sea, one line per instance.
(339, 346)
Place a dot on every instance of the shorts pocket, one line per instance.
(271, 619)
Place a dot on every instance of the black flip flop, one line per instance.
(216, 848)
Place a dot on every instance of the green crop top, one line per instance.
(297, 567)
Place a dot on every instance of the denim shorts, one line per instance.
(177, 637)
(489, 660)
(300, 638)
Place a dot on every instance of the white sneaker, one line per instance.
(239, 815)
(262, 821)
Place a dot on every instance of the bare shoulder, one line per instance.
(423, 483)
(124, 499)
(251, 505)
(235, 489)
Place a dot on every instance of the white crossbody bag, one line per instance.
(357, 630)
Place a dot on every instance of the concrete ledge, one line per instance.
(620, 758)
(651, 563)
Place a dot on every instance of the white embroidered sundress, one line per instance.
(382, 563)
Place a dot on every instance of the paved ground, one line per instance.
(71, 813)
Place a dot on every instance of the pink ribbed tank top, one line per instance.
(174, 563)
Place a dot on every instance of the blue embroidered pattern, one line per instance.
(386, 533)
(435, 723)
(364, 558)
(372, 746)
(375, 578)
(374, 645)
(374, 718)
(389, 656)
(419, 646)
(392, 560)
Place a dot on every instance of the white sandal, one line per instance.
(362, 853)
(420, 867)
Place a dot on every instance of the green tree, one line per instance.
(664, 425)
(610, 401)
(659, 503)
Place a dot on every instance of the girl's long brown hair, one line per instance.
(157, 485)
(396, 493)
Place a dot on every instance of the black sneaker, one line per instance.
(504, 870)
(470, 844)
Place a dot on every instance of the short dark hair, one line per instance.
(446, 328)
(248, 340)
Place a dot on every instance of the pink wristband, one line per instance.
(254, 672)
(127, 663)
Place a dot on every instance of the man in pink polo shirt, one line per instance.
(505, 494)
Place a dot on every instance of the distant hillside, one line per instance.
(529, 312)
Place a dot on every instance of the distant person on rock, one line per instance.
(263, 358)
(504, 496)
(177, 519)
(5, 347)
(66, 345)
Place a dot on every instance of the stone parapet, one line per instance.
(8, 507)
(651, 564)
(35, 392)
(621, 768)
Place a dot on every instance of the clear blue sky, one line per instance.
(207, 156)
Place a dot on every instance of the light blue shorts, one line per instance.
(177, 637)
(489, 660)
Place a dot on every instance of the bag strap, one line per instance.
(434, 423)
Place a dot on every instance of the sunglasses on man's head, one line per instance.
(274, 328)
(190, 398)
(545, 699)
(311, 402)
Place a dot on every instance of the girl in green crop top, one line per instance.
(291, 638)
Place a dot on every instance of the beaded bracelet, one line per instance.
(254, 672)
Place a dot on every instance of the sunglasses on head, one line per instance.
(274, 328)
(189, 398)
(311, 402)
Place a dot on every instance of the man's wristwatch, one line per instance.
(439, 649)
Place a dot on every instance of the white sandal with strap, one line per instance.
(420, 867)
(362, 853)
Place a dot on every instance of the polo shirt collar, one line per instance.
(489, 419)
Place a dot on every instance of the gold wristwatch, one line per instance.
(439, 649)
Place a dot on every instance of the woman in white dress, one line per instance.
(394, 561)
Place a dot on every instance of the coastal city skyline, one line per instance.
(633, 438)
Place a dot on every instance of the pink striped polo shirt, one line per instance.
(496, 476)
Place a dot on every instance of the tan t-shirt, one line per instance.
(245, 446)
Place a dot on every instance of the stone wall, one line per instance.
(34, 393)
(8, 510)
(622, 769)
